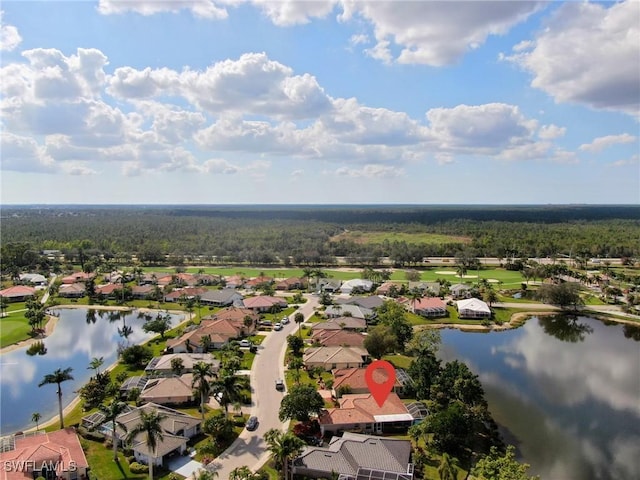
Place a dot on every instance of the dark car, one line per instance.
(279, 385)
(252, 423)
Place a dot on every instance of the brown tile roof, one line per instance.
(234, 314)
(187, 292)
(355, 378)
(159, 388)
(78, 277)
(334, 354)
(62, 446)
(361, 408)
(429, 303)
(331, 338)
(339, 323)
(263, 301)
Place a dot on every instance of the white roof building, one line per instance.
(473, 308)
(357, 284)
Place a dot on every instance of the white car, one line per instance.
(284, 320)
(277, 327)
(245, 343)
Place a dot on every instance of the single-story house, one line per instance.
(169, 390)
(351, 453)
(258, 281)
(161, 366)
(330, 358)
(238, 317)
(177, 428)
(341, 323)
(218, 332)
(48, 454)
(371, 302)
(355, 379)
(142, 291)
(18, 293)
(473, 308)
(187, 279)
(349, 310)
(387, 287)
(108, 289)
(361, 413)
(234, 281)
(429, 307)
(336, 338)
(206, 279)
(293, 283)
(184, 293)
(356, 285)
(329, 285)
(264, 303)
(221, 298)
(460, 290)
(432, 288)
(34, 279)
(74, 290)
(78, 277)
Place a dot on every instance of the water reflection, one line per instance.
(74, 342)
(567, 392)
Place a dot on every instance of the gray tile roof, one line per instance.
(346, 454)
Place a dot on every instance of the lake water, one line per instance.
(566, 392)
(75, 341)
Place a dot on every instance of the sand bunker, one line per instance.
(446, 272)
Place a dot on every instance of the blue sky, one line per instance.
(234, 101)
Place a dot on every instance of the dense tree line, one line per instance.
(307, 235)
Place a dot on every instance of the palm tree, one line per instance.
(111, 413)
(283, 446)
(95, 365)
(241, 473)
(414, 295)
(202, 373)
(447, 469)
(151, 426)
(299, 318)
(35, 418)
(228, 388)
(58, 377)
(205, 475)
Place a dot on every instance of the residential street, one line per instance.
(250, 448)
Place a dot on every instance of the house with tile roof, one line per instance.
(293, 283)
(264, 303)
(330, 358)
(234, 281)
(429, 307)
(142, 291)
(361, 413)
(108, 289)
(460, 290)
(74, 290)
(331, 338)
(341, 323)
(237, 316)
(354, 452)
(187, 293)
(169, 390)
(431, 288)
(371, 302)
(33, 279)
(221, 298)
(49, 454)
(161, 366)
(178, 428)
(349, 310)
(218, 332)
(473, 308)
(355, 379)
(387, 287)
(18, 293)
(78, 277)
(257, 282)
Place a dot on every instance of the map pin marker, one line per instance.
(380, 391)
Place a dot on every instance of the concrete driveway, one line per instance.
(184, 465)
(250, 449)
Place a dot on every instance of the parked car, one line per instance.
(266, 323)
(285, 320)
(252, 423)
(279, 385)
(245, 343)
(277, 327)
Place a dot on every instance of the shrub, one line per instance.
(136, 467)
(91, 434)
(131, 459)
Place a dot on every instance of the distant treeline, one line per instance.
(303, 234)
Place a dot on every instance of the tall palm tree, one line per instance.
(151, 426)
(228, 388)
(299, 318)
(284, 447)
(414, 295)
(202, 374)
(241, 473)
(58, 377)
(35, 418)
(111, 413)
(447, 469)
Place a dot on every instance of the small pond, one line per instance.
(79, 336)
(565, 391)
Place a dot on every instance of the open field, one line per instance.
(361, 237)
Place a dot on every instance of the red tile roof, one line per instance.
(18, 291)
(330, 338)
(355, 378)
(361, 408)
(60, 446)
(429, 302)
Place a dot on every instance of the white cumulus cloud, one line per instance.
(589, 53)
(600, 143)
(9, 36)
(199, 8)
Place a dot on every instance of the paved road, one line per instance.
(250, 449)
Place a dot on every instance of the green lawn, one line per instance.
(14, 328)
(399, 361)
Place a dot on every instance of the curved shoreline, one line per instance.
(53, 320)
